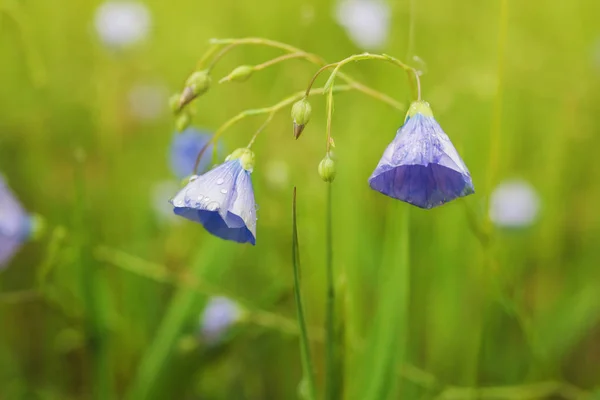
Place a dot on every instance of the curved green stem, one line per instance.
(261, 128)
(362, 57)
(279, 59)
(329, 117)
(313, 58)
(260, 111)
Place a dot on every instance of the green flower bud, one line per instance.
(246, 157)
(301, 115)
(239, 74)
(182, 121)
(174, 103)
(196, 85)
(327, 169)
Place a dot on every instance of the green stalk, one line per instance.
(388, 338)
(157, 366)
(93, 294)
(329, 317)
(307, 364)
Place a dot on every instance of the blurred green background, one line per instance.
(107, 304)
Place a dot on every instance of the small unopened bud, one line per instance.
(174, 103)
(239, 74)
(196, 85)
(301, 115)
(182, 121)
(327, 169)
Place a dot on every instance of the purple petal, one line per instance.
(222, 200)
(15, 225)
(421, 166)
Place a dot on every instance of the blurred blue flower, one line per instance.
(222, 199)
(184, 150)
(421, 166)
(219, 315)
(15, 224)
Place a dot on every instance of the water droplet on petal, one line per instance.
(193, 178)
(213, 206)
(224, 191)
(178, 202)
(220, 181)
(200, 197)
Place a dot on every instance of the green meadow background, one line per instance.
(107, 304)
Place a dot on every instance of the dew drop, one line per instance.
(224, 191)
(200, 197)
(220, 181)
(178, 202)
(193, 178)
(213, 206)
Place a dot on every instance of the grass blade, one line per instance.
(211, 259)
(387, 340)
(307, 364)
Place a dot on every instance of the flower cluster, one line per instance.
(420, 166)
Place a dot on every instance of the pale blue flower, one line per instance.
(222, 199)
(421, 166)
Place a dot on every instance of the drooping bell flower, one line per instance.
(184, 150)
(222, 199)
(421, 166)
(15, 224)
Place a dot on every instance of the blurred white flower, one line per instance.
(219, 315)
(277, 174)
(367, 22)
(514, 204)
(148, 102)
(122, 23)
(160, 194)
